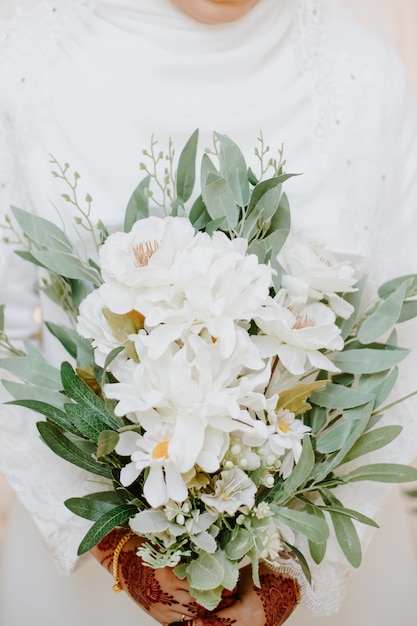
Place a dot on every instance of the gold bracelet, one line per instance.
(117, 588)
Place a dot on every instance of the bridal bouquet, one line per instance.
(224, 372)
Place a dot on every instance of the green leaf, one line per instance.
(356, 515)
(233, 168)
(65, 448)
(372, 440)
(138, 205)
(339, 397)
(302, 560)
(312, 526)
(334, 439)
(78, 347)
(76, 389)
(186, 168)
(107, 442)
(392, 285)
(54, 414)
(42, 232)
(23, 391)
(67, 265)
(93, 506)
(33, 370)
(383, 472)
(107, 522)
(317, 548)
(220, 202)
(230, 568)
(384, 317)
(380, 384)
(239, 545)
(2, 317)
(369, 360)
(199, 216)
(347, 537)
(205, 572)
(354, 298)
(89, 423)
(209, 599)
(301, 472)
(150, 522)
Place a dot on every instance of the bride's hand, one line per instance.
(158, 591)
(269, 605)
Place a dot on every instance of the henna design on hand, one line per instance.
(279, 596)
(141, 582)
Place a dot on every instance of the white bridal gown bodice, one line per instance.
(90, 82)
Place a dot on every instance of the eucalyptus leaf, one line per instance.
(67, 265)
(347, 537)
(379, 384)
(312, 526)
(317, 548)
(369, 360)
(138, 205)
(340, 397)
(383, 318)
(301, 472)
(220, 202)
(199, 216)
(107, 522)
(383, 472)
(65, 448)
(372, 440)
(186, 168)
(23, 391)
(389, 287)
(356, 515)
(76, 346)
(42, 232)
(233, 168)
(354, 298)
(334, 439)
(33, 370)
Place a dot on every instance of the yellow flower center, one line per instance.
(160, 451)
(143, 252)
(283, 427)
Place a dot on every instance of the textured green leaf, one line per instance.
(347, 537)
(81, 393)
(65, 448)
(239, 545)
(209, 599)
(88, 422)
(317, 548)
(107, 522)
(205, 572)
(138, 205)
(230, 568)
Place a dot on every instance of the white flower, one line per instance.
(199, 394)
(298, 335)
(232, 490)
(181, 281)
(285, 436)
(313, 272)
(164, 481)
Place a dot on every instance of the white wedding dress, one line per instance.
(90, 82)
